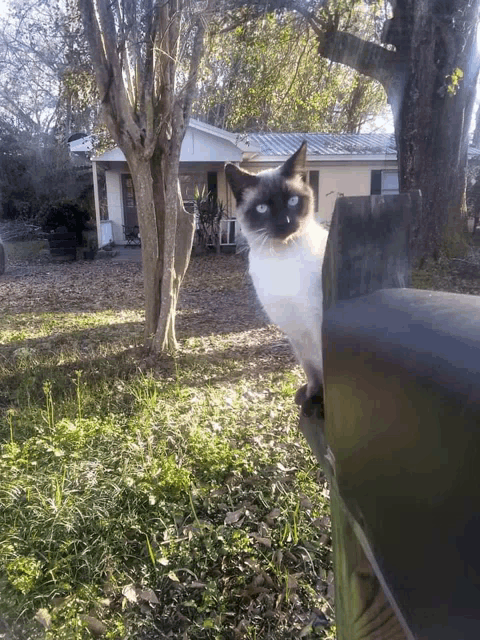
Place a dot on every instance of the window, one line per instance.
(313, 181)
(212, 180)
(383, 182)
(227, 231)
(192, 182)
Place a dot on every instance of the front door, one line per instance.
(130, 216)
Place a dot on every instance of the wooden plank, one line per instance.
(368, 249)
(369, 245)
(362, 609)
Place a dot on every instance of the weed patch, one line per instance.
(149, 498)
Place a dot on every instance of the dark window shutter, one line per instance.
(376, 182)
(212, 184)
(314, 181)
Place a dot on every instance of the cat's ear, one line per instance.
(239, 180)
(296, 164)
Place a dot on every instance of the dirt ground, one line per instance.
(217, 291)
(216, 297)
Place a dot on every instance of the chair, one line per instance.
(131, 235)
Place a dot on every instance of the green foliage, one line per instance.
(37, 176)
(454, 81)
(23, 572)
(267, 75)
(209, 212)
(67, 215)
(47, 93)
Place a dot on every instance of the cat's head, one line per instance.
(274, 204)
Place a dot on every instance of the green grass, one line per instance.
(145, 496)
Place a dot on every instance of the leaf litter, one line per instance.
(248, 562)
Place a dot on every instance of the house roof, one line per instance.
(240, 140)
(272, 146)
(202, 142)
(320, 144)
(113, 155)
(331, 144)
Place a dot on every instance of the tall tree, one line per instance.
(29, 69)
(428, 64)
(136, 48)
(426, 58)
(265, 75)
(42, 55)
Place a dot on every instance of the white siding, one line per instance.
(199, 146)
(336, 180)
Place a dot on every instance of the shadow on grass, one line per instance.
(203, 313)
(28, 364)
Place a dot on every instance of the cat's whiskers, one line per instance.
(258, 242)
(264, 241)
(272, 248)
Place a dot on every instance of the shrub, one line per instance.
(65, 216)
(209, 211)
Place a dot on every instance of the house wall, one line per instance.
(351, 178)
(223, 195)
(336, 178)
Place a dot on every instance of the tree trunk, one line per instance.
(135, 50)
(166, 230)
(432, 128)
(429, 73)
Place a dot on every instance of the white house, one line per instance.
(338, 164)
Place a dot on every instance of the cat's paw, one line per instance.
(301, 395)
(311, 404)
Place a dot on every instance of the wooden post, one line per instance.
(368, 249)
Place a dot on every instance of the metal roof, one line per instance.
(331, 144)
(284, 144)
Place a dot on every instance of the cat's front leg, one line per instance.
(310, 396)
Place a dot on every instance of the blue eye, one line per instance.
(262, 208)
(293, 201)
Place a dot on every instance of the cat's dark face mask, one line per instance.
(274, 204)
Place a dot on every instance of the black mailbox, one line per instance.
(399, 437)
(402, 390)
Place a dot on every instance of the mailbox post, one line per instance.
(400, 442)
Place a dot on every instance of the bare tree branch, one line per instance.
(367, 58)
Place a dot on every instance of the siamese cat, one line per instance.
(275, 209)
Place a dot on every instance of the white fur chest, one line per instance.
(289, 286)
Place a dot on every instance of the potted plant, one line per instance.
(208, 212)
(64, 224)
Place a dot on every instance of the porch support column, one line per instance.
(97, 204)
